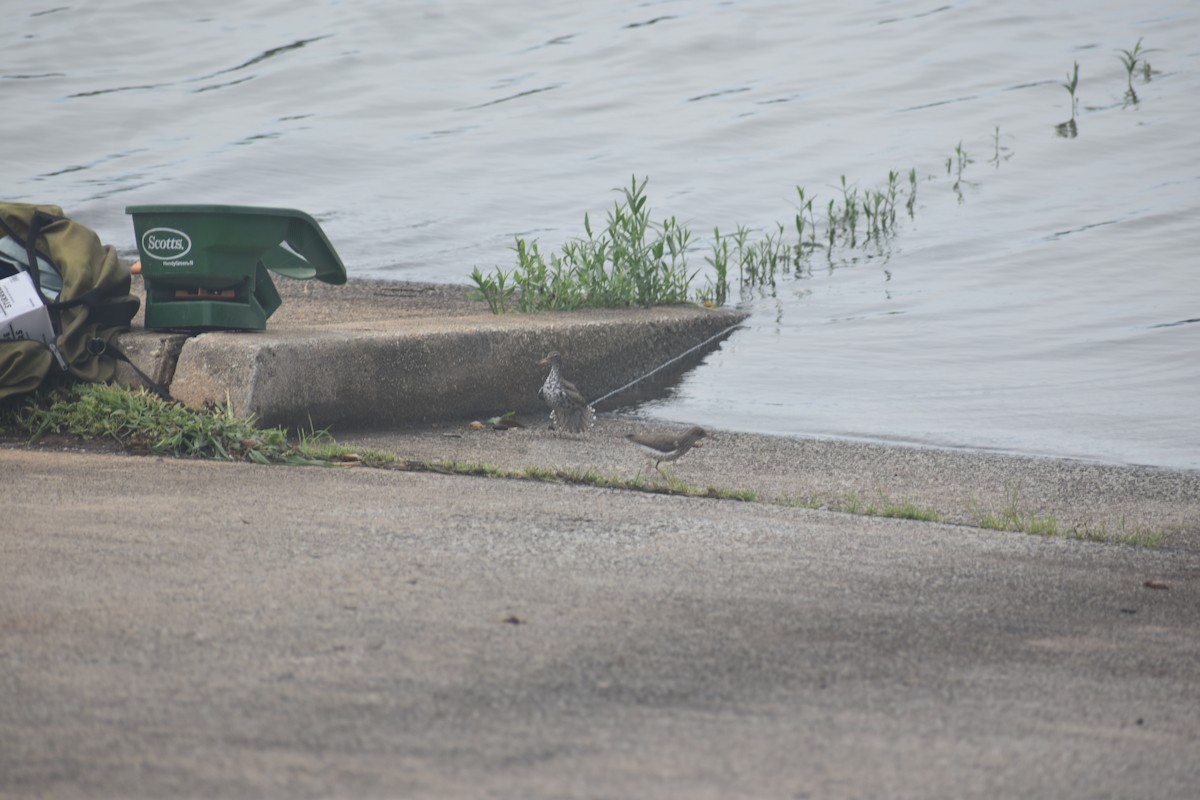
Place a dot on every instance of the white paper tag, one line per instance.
(22, 313)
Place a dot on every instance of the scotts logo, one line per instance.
(165, 243)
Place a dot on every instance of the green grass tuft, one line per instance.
(1010, 517)
(141, 422)
(853, 503)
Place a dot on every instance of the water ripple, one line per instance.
(516, 96)
(649, 22)
(274, 51)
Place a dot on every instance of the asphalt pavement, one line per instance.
(174, 628)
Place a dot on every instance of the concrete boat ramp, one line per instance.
(378, 354)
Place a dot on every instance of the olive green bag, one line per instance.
(84, 287)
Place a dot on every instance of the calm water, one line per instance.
(1048, 305)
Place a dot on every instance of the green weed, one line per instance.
(955, 165)
(1011, 517)
(1130, 59)
(1000, 153)
(1071, 85)
(854, 503)
(634, 262)
(631, 261)
(141, 422)
(494, 289)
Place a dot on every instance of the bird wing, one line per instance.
(573, 394)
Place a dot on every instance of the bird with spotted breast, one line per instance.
(569, 411)
(667, 446)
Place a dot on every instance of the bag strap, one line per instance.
(36, 222)
(105, 312)
(98, 347)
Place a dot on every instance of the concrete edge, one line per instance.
(154, 353)
(389, 375)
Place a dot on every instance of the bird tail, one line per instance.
(579, 420)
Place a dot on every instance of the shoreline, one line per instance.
(976, 490)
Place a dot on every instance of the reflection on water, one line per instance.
(660, 385)
(1068, 129)
(1035, 307)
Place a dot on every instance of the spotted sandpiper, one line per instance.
(666, 446)
(569, 411)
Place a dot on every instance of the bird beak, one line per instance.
(544, 361)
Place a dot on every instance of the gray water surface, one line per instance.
(1047, 303)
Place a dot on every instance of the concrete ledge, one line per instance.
(154, 354)
(370, 354)
(372, 378)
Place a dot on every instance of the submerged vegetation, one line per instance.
(1133, 60)
(850, 221)
(1070, 128)
(1071, 84)
(634, 260)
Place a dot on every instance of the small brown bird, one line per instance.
(569, 411)
(666, 446)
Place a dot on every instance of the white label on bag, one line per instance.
(22, 313)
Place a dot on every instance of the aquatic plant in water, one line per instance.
(856, 218)
(1001, 153)
(1130, 60)
(635, 262)
(955, 166)
(1070, 129)
(1072, 83)
(631, 261)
